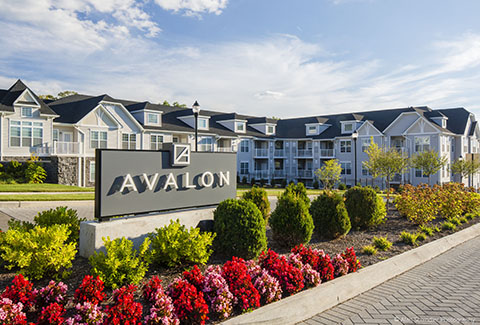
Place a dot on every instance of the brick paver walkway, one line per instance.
(445, 290)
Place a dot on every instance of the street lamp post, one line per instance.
(196, 111)
(354, 137)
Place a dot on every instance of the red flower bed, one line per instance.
(189, 304)
(21, 291)
(91, 290)
(124, 309)
(353, 262)
(290, 278)
(319, 261)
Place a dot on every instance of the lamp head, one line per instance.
(196, 107)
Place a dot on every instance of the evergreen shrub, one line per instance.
(365, 208)
(330, 215)
(61, 216)
(259, 196)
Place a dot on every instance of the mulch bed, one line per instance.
(391, 228)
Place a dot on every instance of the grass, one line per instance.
(43, 188)
(369, 250)
(382, 243)
(48, 197)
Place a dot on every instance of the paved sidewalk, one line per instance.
(445, 290)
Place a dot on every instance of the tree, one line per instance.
(429, 162)
(386, 163)
(165, 103)
(465, 168)
(177, 104)
(61, 94)
(329, 173)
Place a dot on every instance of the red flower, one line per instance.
(91, 290)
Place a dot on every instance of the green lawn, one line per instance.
(48, 197)
(43, 188)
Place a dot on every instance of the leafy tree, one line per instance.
(177, 104)
(50, 97)
(61, 94)
(165, 103)
(386, 163)
(429, 161)
(465, 168)
(329, 173)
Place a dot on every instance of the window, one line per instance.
(346, 168)
(345, 146)
(92, 171)
(152, 118)
(203, 123)
(129, 141)
(365, 171)
(422, 143)
(98, 139)
(244, 167)
(270, 129)
(244, 146)
(348, 127)
(205, 144)
(365, 144)
(27, 112)
(175, 140)
(312, 129)
(156, 141)
(419, 173)
(55, 135)
(240, 126)
(26, 134)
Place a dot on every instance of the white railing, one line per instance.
(66, 148)
(326, 153)
(43, 150)
(224, 149)
(259, 174)
(259, 152)
(279, 152)
(279, 173)
(304, 153)
(205, 147)
(305, 173)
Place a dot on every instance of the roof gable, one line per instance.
(15, 91)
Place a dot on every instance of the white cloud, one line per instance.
(267, 94)
(194, 7)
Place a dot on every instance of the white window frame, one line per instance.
(26, 127)
(131, 142)
(244, 145)
(91, 176)
(421, 173)
(99, 141)
(345, 169)
(55, 135)
(270, 131)
(200, 126)
(345, 146)
(205, 147)
(30, 114)
(156, 145)
(366, 142)
(421, 145)
(240, 126)
(243, 163)
(157, 117)
(312, 129)
(365, 172)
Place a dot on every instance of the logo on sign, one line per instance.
(181, 155)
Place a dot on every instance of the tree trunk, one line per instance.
(388, 193)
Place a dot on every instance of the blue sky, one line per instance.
(281, 58)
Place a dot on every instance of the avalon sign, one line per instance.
(133, 182)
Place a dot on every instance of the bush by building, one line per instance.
(330, 215)
(365, 208)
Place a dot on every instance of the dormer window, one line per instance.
(239, 126)
(152, 118)
(348, 127)
(202, 123)
(312, 129)
(270, 129)
(444, 123)
(27, 112)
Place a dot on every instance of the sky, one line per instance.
(282, 58)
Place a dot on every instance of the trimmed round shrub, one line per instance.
(259, 196)
(291, 222)
(61, 216)
(299, 191)
(240, 229)
(330, 215)
(365, 208)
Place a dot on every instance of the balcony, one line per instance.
(261, 174)
(305, 173)
(224, 149)
(279, 153)
(261, 152)
(327, 153)
(279, 173)
(58, 149)
(304, 153)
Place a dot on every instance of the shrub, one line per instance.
(365, 208)
(188, 302)
(124, 309)
(34, 172)
(298, 190)
(455, 221)
(353, 262)
(290, 278)
(175, 245)
(447, 225)
(408, 238)
(217, 294)
(421, 236)
(240, 229)
(244, 180)
(330, 215)
(121, 264)
(12, 313)
(419, 204)
(426, 230)
(342, 187)
(259, 196)
(21, 291)
(61, 216)
(52, 315)
(463, 220)
(291, 222)
(382, 243)
(15, 170)
(316, 184)
(53, 293)
(38, 251)
(469, 216)
(283, 183)
(240, 283)
(87, 313)
(340, 265)
(252, 181)
(90, 290)
(369, 250)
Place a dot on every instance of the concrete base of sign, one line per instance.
(136, 228)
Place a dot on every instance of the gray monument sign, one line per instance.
(133, 182)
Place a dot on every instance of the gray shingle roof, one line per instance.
(8, 97)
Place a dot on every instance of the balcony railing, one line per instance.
(259, 174)
(224, 149)
(59, 148)
(304, 153)
(279, 152)
(260, 152)
(326, 153)
(305, 173)
(279, 173)
(205, 147)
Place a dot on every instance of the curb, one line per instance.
(307, 304)
(27, 204)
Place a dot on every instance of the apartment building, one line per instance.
(65, 133)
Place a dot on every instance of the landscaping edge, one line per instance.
(308, 303)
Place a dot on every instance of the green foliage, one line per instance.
(121, 264)
(447, 225)
(39, 251)
(429, 162)
(342, 187)
(463, 220)
(298, 190)
(34, 173)
(240, 229)
(426, 230)
(329, 173)
(291, 221)
(330, 215)
(15, 170)
(382, 243)
(61, 216)
(316, 184)
(408, 238)
(260, 198)
(464, 167)
(418, 204)
(20, 225)
(174, 245)
(470, 216)
(369, 250)
(421, 236)
(365, 208)
(455, 221)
